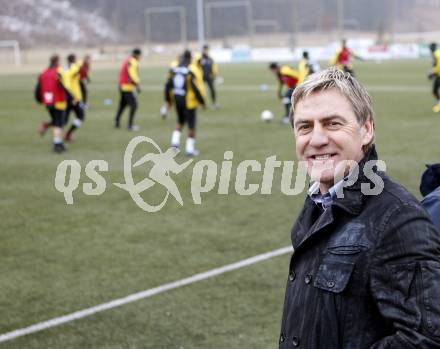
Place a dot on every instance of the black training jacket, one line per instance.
(365, 273)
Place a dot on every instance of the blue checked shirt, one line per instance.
(324, 201)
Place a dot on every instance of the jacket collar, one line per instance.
(309, 225)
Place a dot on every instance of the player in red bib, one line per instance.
(288, 79)
(343, 58)
(51, 92)
(129, 87)
(84, 78)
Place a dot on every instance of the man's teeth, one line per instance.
(322, 157)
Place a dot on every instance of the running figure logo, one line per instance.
(163, 165)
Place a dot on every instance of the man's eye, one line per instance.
(334, 124)
(303, 127)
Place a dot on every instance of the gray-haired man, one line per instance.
(365, 272)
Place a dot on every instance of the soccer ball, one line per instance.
(219, 80)
(163, 111)
(108, 102)
(266, 115)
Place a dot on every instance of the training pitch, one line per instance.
(57, 259)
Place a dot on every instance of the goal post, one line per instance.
(14, 46)
(181, 12)
(232, 6)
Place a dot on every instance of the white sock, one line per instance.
(76, 122)
(190, 145)
(175, 138)
(57, 140)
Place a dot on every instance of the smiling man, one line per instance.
(365, 272)
(328, 132)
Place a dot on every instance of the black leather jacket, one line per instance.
(365, 273)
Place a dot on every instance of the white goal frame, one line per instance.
(231, 5)
(15, 47)
(169, 9)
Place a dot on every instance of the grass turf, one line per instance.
(56, 259)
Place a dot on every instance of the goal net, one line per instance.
(10, 52)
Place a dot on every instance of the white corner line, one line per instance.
(142, 295)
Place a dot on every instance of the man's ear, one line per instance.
(367, 132)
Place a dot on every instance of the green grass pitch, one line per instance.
(56, 259)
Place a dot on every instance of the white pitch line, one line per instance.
(142, 295)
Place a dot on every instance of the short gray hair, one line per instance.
(346, 84)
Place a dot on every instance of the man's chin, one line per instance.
(326, 177)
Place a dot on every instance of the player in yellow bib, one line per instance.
(435, 75)
(75, 100)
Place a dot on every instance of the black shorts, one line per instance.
(56, 115)
(77, 108)
(128, 98)
(185, 115)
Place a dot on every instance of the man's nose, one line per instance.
(318, 137)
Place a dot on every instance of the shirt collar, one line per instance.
(324, 200)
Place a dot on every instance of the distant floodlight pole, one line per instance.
(17, 55)
(296, 19)
(200, 23)
(250, 17)
(393, 19)
(340, 16)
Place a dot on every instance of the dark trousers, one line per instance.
(78, 110)
(126, 99)
(83, 86)
(436, 87)
(211, 87)
(287, 100)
